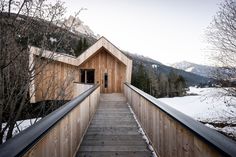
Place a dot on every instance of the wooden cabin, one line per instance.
(60, 76)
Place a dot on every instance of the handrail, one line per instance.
(21, 143)
(216, 139)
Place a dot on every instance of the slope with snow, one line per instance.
(208, 105)
(20, 126)
(198, 69)
(79, 27)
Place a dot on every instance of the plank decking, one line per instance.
(113, 131)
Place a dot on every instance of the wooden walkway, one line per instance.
(113, 131)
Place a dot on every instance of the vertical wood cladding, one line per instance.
(54, 80)
(103, 62)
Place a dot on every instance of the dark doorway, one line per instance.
(90, 76)
(87, 75)
(106, 80)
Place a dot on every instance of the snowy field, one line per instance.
(207, 105)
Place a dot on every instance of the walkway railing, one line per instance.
(174, 134)
(58, 134)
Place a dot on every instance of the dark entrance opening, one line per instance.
(90, 76)
(106, 80)
(87, 76)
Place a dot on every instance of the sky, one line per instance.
(168, 31)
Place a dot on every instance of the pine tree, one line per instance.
(140, 78)
(81, 46)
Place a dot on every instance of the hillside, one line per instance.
(157, 68)
(198, 69)
(50, 36)
(71, 43)
(222, 73)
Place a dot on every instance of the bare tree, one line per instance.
(221, 35)
(20, 21)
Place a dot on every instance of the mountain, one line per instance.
(57, 37)
(79, 27)
(150, 64)
(198, 69)
(72, 37)
(221, 73)
(157, 68)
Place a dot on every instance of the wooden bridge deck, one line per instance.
(113, 131)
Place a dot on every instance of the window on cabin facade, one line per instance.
(87, 76)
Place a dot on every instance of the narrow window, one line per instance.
(106, 80)
(82, 76)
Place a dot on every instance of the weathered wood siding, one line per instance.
(168, 137)
(103, 62)
(54, 80)
(63, 140)
(55, 72)
(79, 88)
(113, 50)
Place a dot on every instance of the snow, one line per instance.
(52, 40)
(189, 69)
(141, 131)
(207, 105)
(79, 26)
(21, 125)
(154, 66)
(230, 131)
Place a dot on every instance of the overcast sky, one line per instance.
(166, 30)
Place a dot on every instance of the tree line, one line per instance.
(157, 84)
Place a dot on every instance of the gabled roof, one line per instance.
(101, 43)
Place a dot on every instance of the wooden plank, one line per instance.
(168, 136)
(203, 149)
(158, 148)
(173, 137)
(107, 64)
(166, 133)
(114, 154)
(113, 130)
(64, 138)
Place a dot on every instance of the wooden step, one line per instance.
(114, 154)
(113, 131)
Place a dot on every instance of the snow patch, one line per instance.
(190, 69)
(141, 131)
(154, 66)
(20, 126)
(210, 105)
(52, 40)
(79, 27)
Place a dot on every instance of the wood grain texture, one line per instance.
(109, 64)
(113, 131)
(64, 138)
(54, 80)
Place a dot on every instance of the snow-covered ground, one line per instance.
(208, 106)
